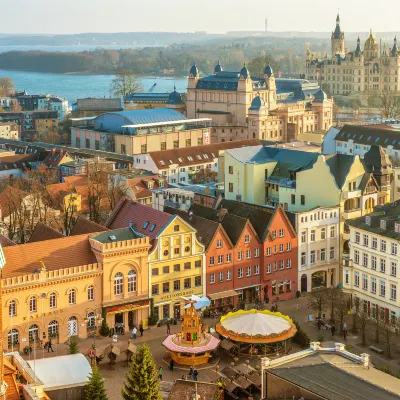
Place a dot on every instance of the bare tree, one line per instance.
(6, 85)
(389, 334)
(332, 296)
(341, 310)
(356, 310)
(125, 82)
(317, 300)
(363, 320)
(390, 104)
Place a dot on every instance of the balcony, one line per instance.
(286, 183)
(352, 194)
(351, 214)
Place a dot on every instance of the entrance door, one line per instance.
(177, 310)
(72, 327)
(131, 319)
(304, 283)
(119, 319)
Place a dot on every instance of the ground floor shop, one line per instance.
(318, 277)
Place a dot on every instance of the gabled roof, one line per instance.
(5, 241)
(55, 157)
(71, 251)
(145, 219)
(44, 232)
(139, 185)
(339, 165)
(84, 225)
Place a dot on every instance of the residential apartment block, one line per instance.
(9, 130)
(371, 272)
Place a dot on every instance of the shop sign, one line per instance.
(173, 296)
(127, 307)
(45, 314)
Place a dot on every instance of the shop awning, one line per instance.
(222, 295)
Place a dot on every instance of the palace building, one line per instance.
(242, 106)
(357, 71)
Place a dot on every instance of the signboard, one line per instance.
(127, 307)
(206, 137)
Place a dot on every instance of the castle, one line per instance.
(355, 72)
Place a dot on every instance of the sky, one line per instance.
(214, 16)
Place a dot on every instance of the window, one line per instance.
(393, 268)
(289, 246)
(273, 234)
(12, 308)
(240, 255)
(303, 236)
(187, 284)
(53, 300)
(248, 254)
(176, 251)
(268, 251)
(357, 237)
(323, 254)
(365, 282)
(256, 252)
(383, 265)
(374, 243)
(119, 283)
(72, 296)
(230, 168)
(382, 224)
(13, 337)
(230, 187)
(383, 246)
(229, 257)
(123, 149)
(212, 260)
(313, 257)
(373, 263)
(212, 278)
(132, 281)
(177, 285)
(303, 259)
(176, 228)
(268, 270)
(220, 276)
(332, 253)
(219, 244)
(394, 249)
(323, 234)
(346, 277)
(292, 199)
(197, 281)
(33, 304)
(393, 292)
(90, 293)
(247, 239)
(143, 148)
(313, 236)
(373, 285)
(197, 264)
(365, 260)
(356, 279)
(154, 272)
(332, 231)
(302, 200)
(356, 257)
(165, 287)
(365, 240)
(281, 232)
(221, 259)
(382, 288)
(177, 267)
(289, 263)
(281, 264)
(256, 270)
(281, 248)
(275, 266)
(240, 273)
(33, 333)
(248, 271)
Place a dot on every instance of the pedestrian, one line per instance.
(46, 345)
(191, 372)
(333, 329)
(141, 329)
(160, 373)
(168, 328)
(171, 365)
(344, 333)
(134, 332)
(319, 324)
(195, 374)
(49, 346)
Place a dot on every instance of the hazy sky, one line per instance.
(75, 16)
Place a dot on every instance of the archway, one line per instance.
(369, 205)
(304, 283)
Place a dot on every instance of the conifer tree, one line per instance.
(141, 382)
(73, 347)
(95, 388)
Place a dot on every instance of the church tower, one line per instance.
(337, 39)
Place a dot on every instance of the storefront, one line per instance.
(172, 305)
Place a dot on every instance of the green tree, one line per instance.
(125, 82)
(104, 328)
(95, 388)
(257, 65)
(141, 382)
(73, 346)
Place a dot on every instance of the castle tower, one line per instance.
(395, 50)
(337, 39)
(371, 47)
(358, 48)
(191, 92)
(269, 79)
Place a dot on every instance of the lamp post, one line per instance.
(98, 318)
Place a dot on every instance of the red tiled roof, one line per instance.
(139, 186)
(204, 154)
(84, 225)
(66, 252)
(10, 378)
(44, 232)
(142, 217)
(5, 241)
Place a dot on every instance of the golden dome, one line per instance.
(371, 41)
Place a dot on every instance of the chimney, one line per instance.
(365, 360)
(221, 214)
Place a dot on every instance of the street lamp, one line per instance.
(97, 317)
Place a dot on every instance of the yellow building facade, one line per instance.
(176, 268)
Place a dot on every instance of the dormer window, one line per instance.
(397, 227)
(149, 185)
(368, 220)
(382, 224)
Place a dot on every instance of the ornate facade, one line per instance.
(356, 71)
(242, 106)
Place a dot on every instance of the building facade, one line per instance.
(359, 71)
(268, 108)
(9, 130)
(371, 271)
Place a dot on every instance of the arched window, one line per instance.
(53, 300)
(91, 320)
(33, 333)
(33, 304)
(72, 296)
(13, 338)
(118, 284)
(90, 293)
(12, 308)
(131, 281)
(53, 329)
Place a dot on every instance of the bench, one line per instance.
(373, 348)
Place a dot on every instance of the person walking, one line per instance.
(171, 365)
(168, 328)
(160, 372)
(344, 333)
(134, 332)
(195, 374)
(49, 346)
(333, 330)
(141, 330)
(191, 372)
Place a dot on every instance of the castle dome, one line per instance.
(174, 97)
(320, 96)
(244, 72)
(257, 104)
(194, 71)
(268, 70)
(218, 68)
(371, 42)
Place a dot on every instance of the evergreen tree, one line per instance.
(95, 388)
(141, 382)
(104, 329)
(73, 347)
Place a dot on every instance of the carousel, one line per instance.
(193, 344)
(256, 333)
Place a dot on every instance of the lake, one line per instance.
(74, 87)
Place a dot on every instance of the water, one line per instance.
(74, 87)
